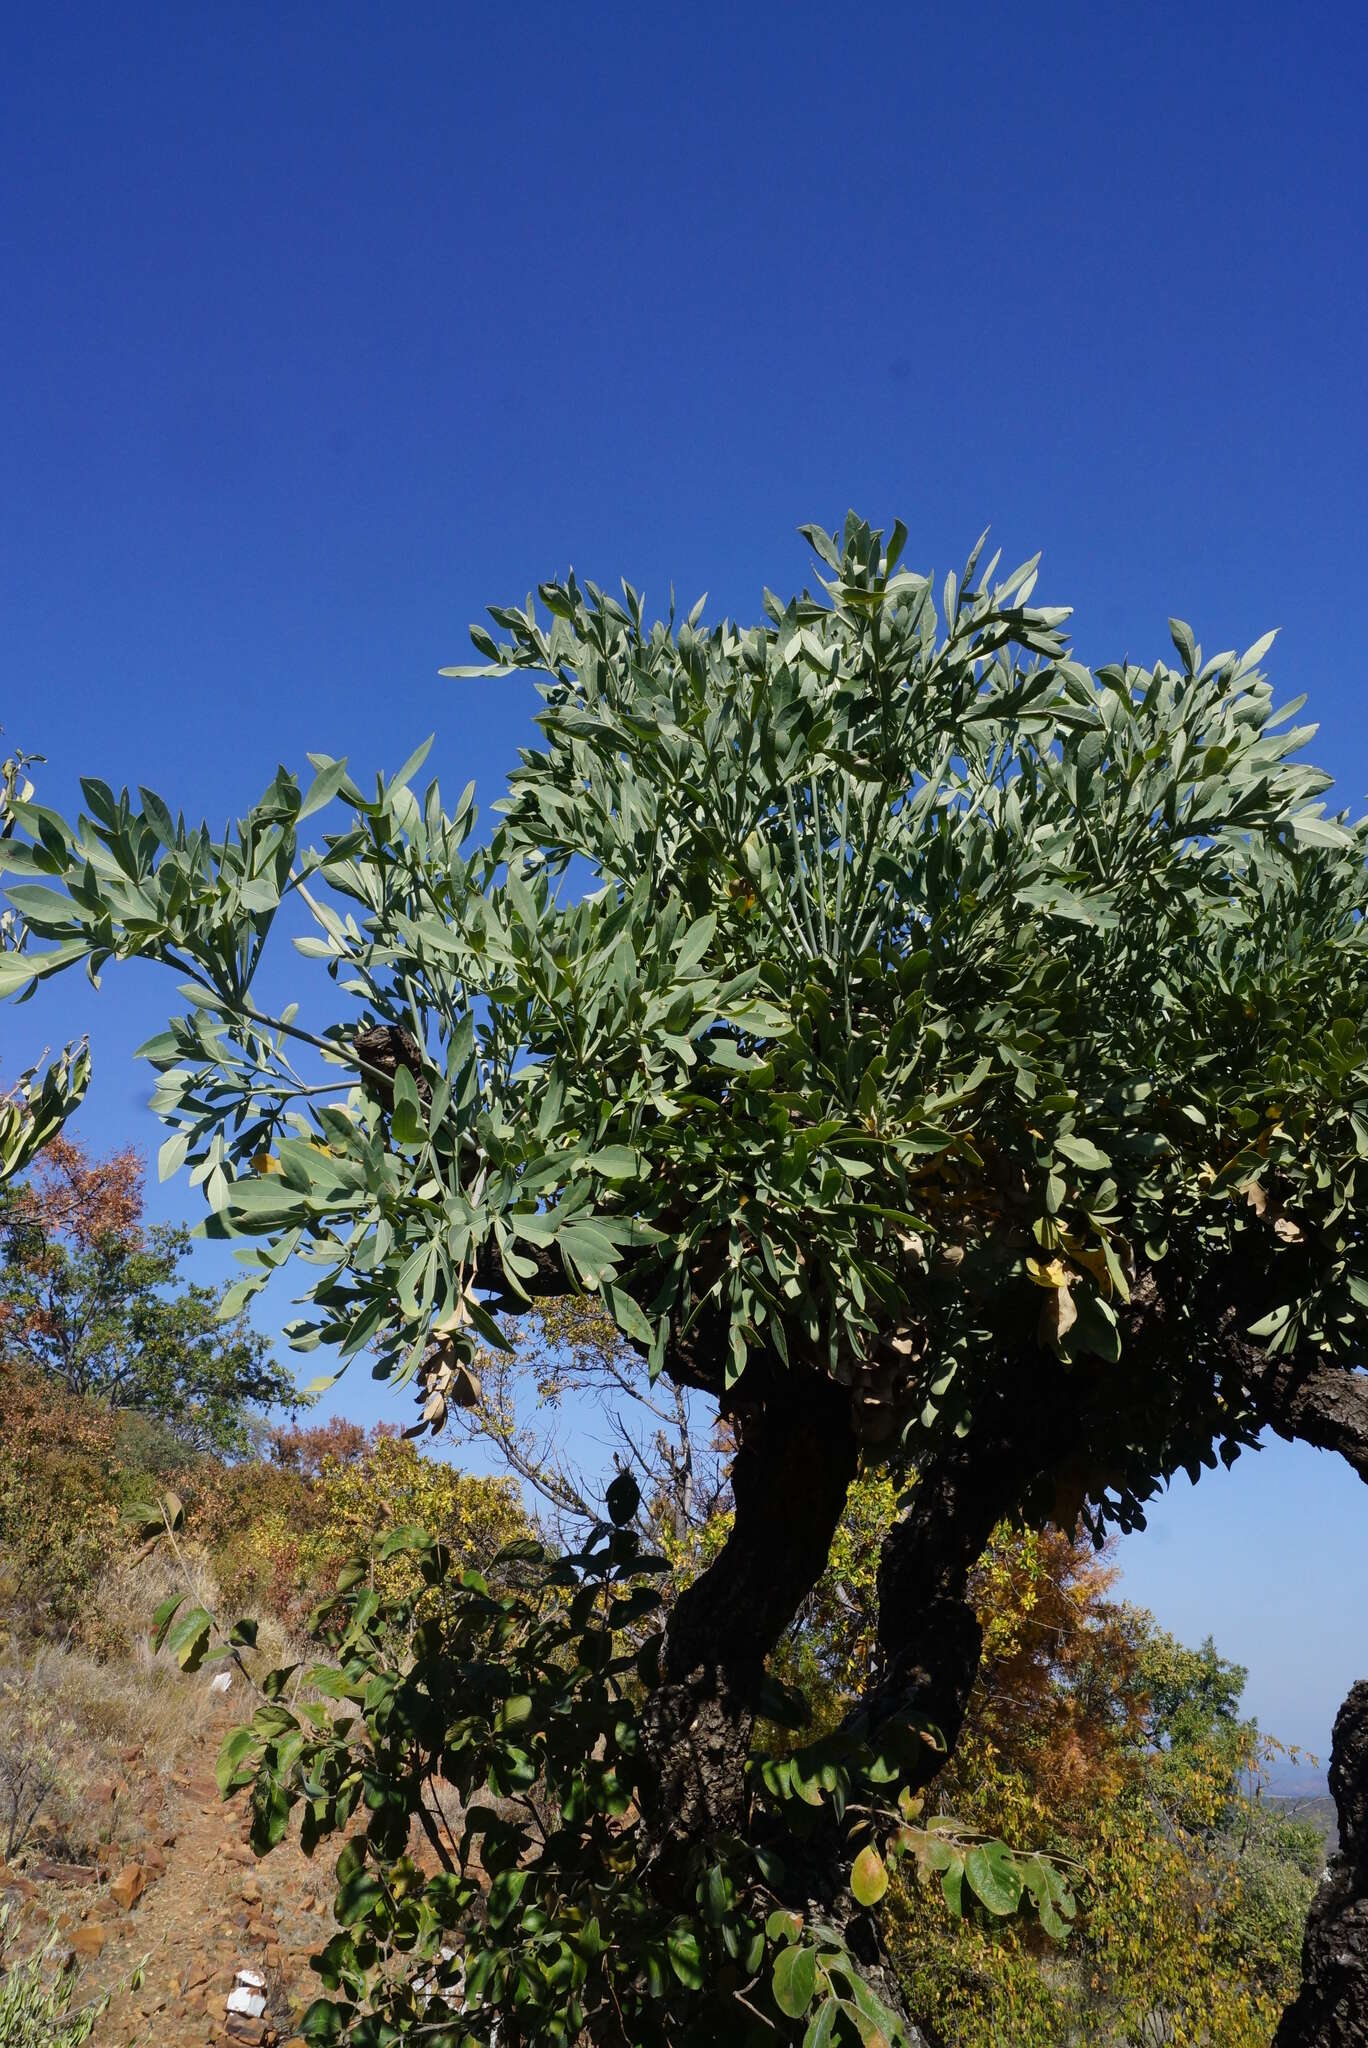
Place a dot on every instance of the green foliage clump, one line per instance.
(1117, 1746)
(501, 1714)
(927, 982)
(279, 1535)
(59, 1504)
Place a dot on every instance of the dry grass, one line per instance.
(71, 1713)
(122, 1605)
(102, 1709)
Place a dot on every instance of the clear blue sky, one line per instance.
(321, 328)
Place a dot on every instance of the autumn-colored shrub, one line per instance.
(279, 1530)
(59, 1504)
(1095, 1734)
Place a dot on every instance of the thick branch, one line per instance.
(929, 1640)
(1317, 1401)
(796, 1458)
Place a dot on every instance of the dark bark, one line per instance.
(929, 1641)
(795, 1460)
(1331, 2010)
(1316, 1401)
(380, 1052)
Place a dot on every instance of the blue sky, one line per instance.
(322, 328)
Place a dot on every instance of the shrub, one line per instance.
(59, 1504)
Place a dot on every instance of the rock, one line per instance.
(250, 1892)
(15, 1881)
(221, 1681)
(128, 1887)
(87, 1941)
(254, 2032)
(261, 1930)
(65, 1873)
(1331, 2009)
(153, 1861)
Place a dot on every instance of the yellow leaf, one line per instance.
(1057, 1315)
(868, 1877)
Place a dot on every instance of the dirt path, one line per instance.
(184, 1892)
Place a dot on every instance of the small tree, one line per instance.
(956, 1052)
(88, 1296)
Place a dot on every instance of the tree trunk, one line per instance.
(1331, 2010)
(795, 1460)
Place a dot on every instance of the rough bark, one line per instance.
(929, 1641)
(1331, 2010)
(1318, 1401)
(795, 1460)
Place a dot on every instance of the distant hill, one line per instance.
(1313, 1805)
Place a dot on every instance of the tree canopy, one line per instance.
(930, 1048)
(88, 1297)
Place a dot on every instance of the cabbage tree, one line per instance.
(929, 1048)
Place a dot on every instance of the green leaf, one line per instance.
(326, 2023)
(325, 785)
(821, 2027)
(1182, 636)
(1082, 1152)
(628, 1316)
(164, 1614)
(868, 1877)
(623, 1498)
(686, 1958)
(1317, 831)
(695, 944)
(993, 1877)
(615, 1162)
(405, 1540)
(270, 1815)
(188, 1641)
(235, 1747)
(794, 1980)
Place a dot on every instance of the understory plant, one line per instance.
(38, 1998)
(475, 1743)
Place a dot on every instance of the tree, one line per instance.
(956, 1052)
(89, 1298)
(1091, 1731)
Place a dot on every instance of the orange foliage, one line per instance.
(1059, 1701)
(86, 1201)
